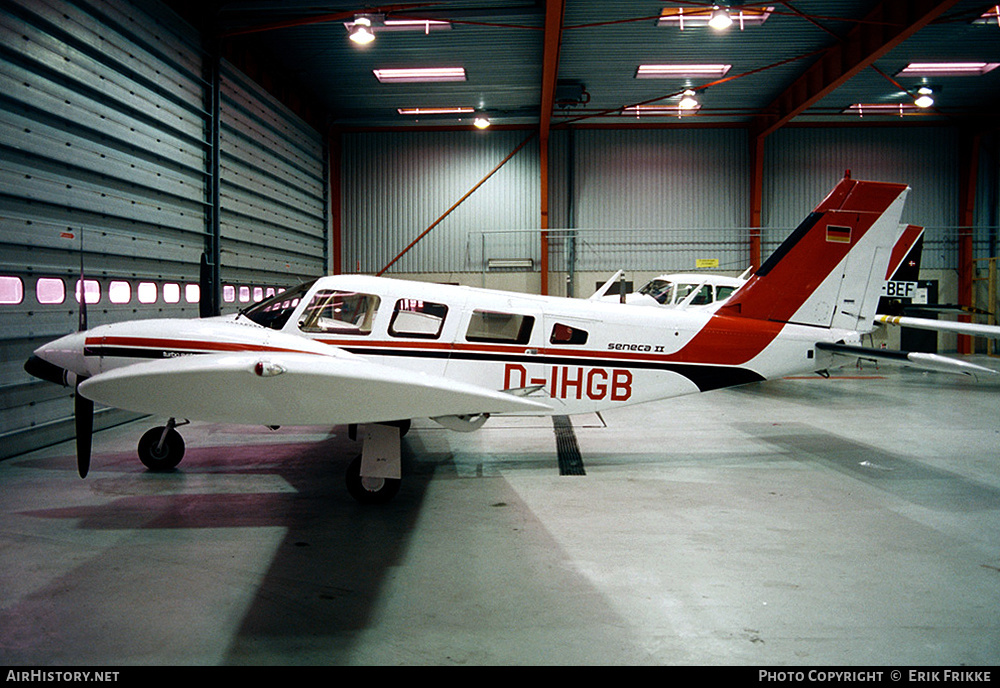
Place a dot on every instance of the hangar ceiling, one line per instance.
(577, 62)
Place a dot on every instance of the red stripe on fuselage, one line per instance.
(188, 344)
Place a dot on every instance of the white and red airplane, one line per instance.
(377, 352)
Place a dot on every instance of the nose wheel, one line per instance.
(161, 448)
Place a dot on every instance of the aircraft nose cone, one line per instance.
(66, 353)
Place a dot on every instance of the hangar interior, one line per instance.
(191, 158)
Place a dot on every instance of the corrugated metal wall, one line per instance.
(643, 200)
(649, 199)
(275, 195)
(102, 129)
(105, 141)
(395, 185)
(803, 164)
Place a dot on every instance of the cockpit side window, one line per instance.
(723, 292)
(415, 318)
(501, 328)
(340, 312)
(703, 297)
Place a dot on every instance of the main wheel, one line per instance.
(161, 458)
(369, 490)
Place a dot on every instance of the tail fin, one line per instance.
(830, 271)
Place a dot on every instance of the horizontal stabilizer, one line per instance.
(911, 358)
(974, 329)
(291, 388)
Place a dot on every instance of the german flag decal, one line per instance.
(838, 235)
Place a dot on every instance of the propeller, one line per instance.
(83, 408)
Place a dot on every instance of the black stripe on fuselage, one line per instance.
(705, 377)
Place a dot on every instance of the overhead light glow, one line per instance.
(720, 19)
(689, 17)
(436, 111)
(925, 97)
(947, 68)
(688, 101)
(420, 75)
(361, 31)
(481, 122)
(680, 71)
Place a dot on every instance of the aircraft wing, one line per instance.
(975, 329)
(291, 388)
(917, 359)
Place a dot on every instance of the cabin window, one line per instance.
(11, 290)
(119, 291)
(415, 318)
(501, 328)
(50, 290)
(661, 290)
(703, 297)
(340, 312)
(91, 290)
(564, 334)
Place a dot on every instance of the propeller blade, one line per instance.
(83, 412)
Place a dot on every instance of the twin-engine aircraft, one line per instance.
(374, 352)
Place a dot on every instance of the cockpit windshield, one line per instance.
(275, 311)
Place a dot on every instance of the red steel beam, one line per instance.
(550, 73)
(888, 25)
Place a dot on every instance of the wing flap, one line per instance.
(292, 389)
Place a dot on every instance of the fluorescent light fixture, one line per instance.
(361, 31)
(900, 109)
(369, 24)
(436, 111)
(654, 110)
(688, 17)
(720, 19)
(494, 263)
(933, 69)
(419, 75)
(425, 25)
(990, 16)
(675, 71)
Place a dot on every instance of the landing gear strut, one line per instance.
(162, 448)
(375, 475)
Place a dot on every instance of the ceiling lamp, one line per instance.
(361, 32)
(720, 19)
(688, 101)
(481, 122)
(925, 97)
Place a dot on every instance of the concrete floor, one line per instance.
(849, 521)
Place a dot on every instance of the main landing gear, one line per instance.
(373, 477)
(162, 448)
